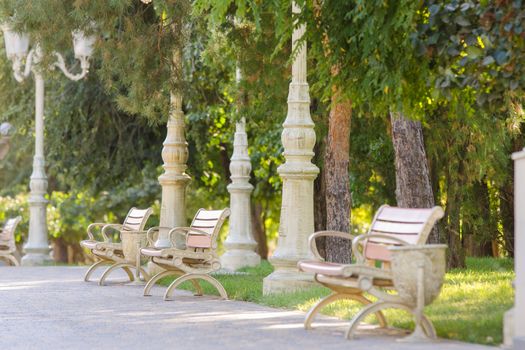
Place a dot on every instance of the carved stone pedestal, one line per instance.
(240, 244)
(298, 175)
(174, 180)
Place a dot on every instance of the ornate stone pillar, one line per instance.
(240, 244)
(174, 179)
(37, 247)
(298, 174)
(519, 249)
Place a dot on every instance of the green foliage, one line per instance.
(454, 65)
(475, 44)
(216, 100)
(369, 44)
(69, 214)
(372, 171)
(148, 34)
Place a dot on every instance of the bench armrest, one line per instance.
(153, 234)
(106, 228)
(356, 242)
(91, 228)
(313, 236)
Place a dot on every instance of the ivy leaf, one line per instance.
(433, 39)
(474, 52)
(488, 60)
(486, 41)
(501, 57)
(434, 9)
(452, 7)
(471, 39)
(465, 6)
(462, 21)
(452, 51)
(445, 83)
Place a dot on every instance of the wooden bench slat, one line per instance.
(404, 215)
(397, 227)
(410, 239)
(204, 223)
(209, 214)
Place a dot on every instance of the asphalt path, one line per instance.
(52, 308)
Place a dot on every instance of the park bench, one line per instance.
(106, 251)
(391, 262)
(193, 255)
(7, 241)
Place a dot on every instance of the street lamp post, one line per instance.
(24, 62)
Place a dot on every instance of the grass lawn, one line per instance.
(470, 307)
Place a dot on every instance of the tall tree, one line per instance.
(336, 176)
(413, 186)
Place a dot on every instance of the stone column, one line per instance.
(37, 247)
(240, 244)
(298, 175)
(519, 249)
(174, 179)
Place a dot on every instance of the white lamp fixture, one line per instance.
(26, 61)
(16, 44)
(83, 49)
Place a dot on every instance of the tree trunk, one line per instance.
(259, 232)
(456, 256)
(413, 186)
(456, 253)
(506, 194)
(478, 234)
(337, 158)
(320, 198)
(60, 250)
(225, 160)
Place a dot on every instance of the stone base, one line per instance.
(237, 258)
(36, 259)
(287, 280)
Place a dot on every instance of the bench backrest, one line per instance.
(209, 221)
(136, 219)
(408, 224)
(7, 235)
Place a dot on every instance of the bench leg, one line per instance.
(194, 277)
(335, 297)
(427, 333)
(93, 267)
(10, 259)
(13, 260)
(114, 267)
(154, 279)
(198, 289)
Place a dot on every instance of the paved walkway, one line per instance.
(51, 308)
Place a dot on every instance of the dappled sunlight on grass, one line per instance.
(470, 307)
